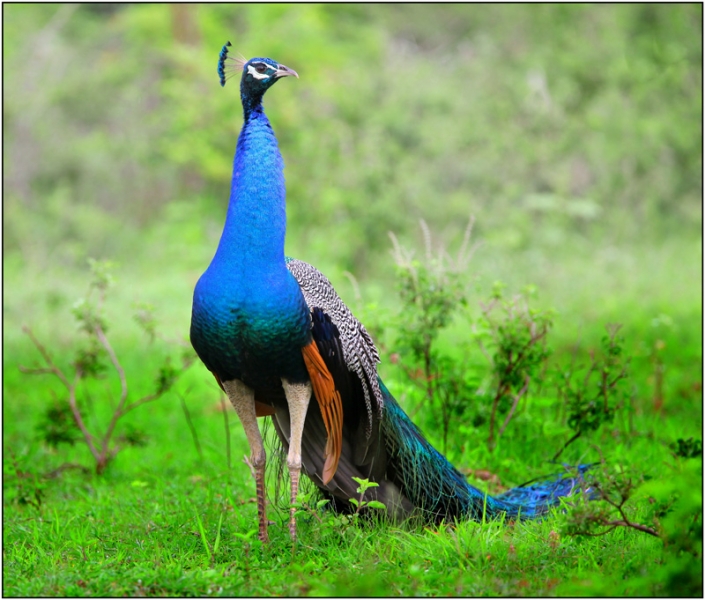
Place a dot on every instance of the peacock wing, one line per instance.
(349, 354)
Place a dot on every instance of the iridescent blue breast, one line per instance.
(251, 330)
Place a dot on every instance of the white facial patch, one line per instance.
(252, 71)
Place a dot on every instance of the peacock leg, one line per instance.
(243, 400)
(298, 396)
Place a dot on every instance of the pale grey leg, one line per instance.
(243, 400)
(298, 396)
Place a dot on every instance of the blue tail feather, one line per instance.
(436, 487)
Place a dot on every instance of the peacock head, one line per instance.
(258, 74)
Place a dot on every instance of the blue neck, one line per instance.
(255, 226)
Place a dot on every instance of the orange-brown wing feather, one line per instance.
(331, 406)
(263, 410)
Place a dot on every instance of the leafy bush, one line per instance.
(517, 342)
(65, 422)
(432, 293)
(594, 398)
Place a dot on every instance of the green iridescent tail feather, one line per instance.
(441, 492)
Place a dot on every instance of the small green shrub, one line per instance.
(515, 343)
(64, 422)
(330, 522)
(432, 293)
(594, 398)
(511, 335)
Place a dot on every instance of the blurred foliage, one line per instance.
(689, 448)
(593, 393)
(550, 123)
(63, 420)
(432, 293)
(513, 336)
(58, 426)
(671, 508)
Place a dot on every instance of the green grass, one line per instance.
(117, 538)
(172, 519)
(137, 531)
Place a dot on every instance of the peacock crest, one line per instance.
(227, 69)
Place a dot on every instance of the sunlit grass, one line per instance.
(170, 520)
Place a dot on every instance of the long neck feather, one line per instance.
(255, 225)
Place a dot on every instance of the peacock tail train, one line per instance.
(414, 478)
(442, 493)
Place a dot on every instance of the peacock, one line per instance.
(274, 333)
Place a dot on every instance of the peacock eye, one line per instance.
(260, 67)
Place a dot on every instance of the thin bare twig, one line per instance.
(77, 416)
(36, 371)
(141, 401)
(612, 525)
(493, 414)
(65, 467)
(568, 443)
(123, 395)
(517, 397)
(192, 429)
(71, 388)
(116, 363)
(45, 355)
(637, 526)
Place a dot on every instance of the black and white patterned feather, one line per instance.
(359, 351)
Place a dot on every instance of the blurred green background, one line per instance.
(573, 134)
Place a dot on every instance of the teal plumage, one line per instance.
(442, 493)
(275, 333)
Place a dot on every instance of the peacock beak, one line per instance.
(283, 71)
